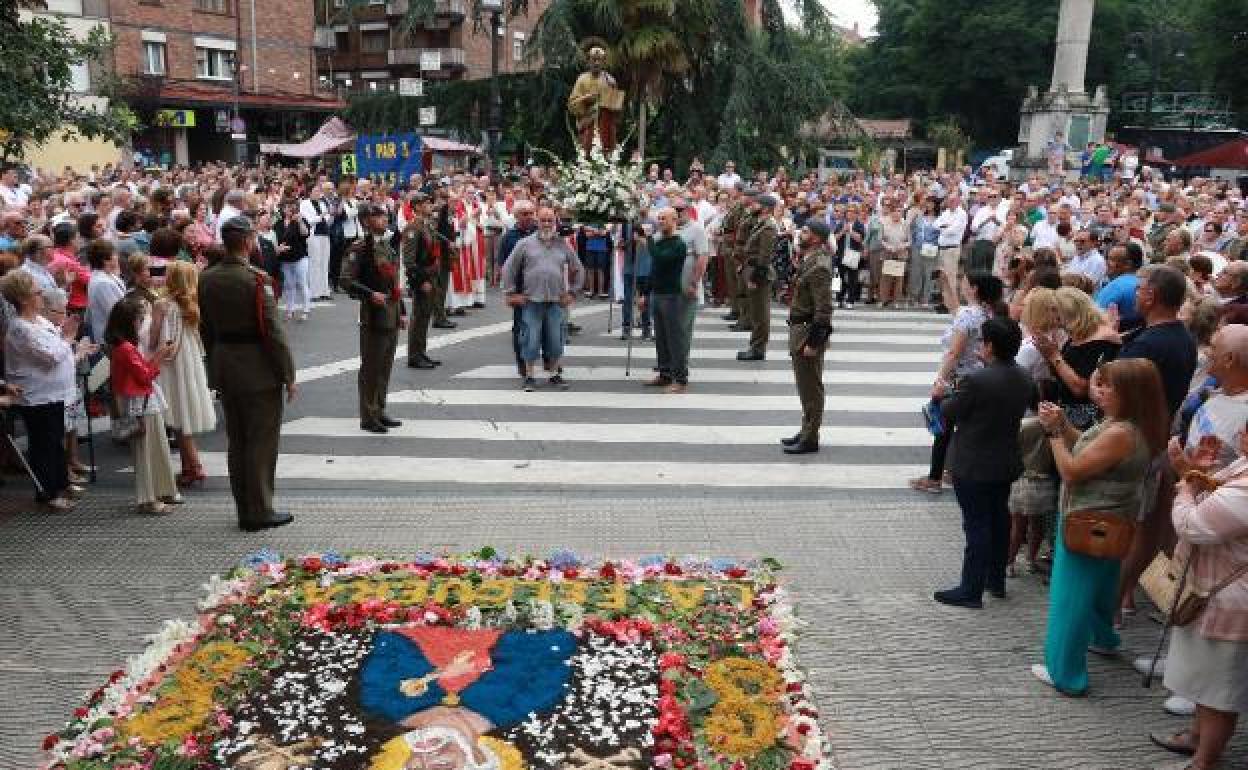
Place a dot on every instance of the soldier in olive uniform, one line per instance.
(371, 276)
(421, 262)
(445, 229)
(249, 365)
(727, 266)
(810, 323)
(758, 275)
(740, 235)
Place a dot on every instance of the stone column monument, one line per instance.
(1066, 108)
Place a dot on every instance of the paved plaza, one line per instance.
(901, 681)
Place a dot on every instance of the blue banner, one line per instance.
(389, 158)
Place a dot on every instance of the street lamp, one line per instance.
(494, 128)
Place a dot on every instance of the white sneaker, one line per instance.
(1179, 707)
(1041, 672)
(1141, 665)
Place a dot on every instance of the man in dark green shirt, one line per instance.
(671, 303)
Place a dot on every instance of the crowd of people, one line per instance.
(1095, 363)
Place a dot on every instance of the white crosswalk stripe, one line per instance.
(743, 374)
(777, 350)
(921, 340)
(610, 430)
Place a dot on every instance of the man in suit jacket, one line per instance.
(984, 413)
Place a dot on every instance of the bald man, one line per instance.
(1232, 283)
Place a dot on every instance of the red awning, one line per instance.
(1233, 154)
(329, 137)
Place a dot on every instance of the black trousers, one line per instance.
(986, 524)
(849, 284)
(45, 432)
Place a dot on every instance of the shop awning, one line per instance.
(331, 136)
(436, 144)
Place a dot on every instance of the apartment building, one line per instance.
(370, 49)
(219, 77)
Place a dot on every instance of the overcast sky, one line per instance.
(846, 12)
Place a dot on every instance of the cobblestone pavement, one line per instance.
(902, 682)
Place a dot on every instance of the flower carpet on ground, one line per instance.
(474, 661)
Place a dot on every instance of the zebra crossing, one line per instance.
(475, 429)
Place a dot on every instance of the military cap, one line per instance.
(237, 225)
(819, 228)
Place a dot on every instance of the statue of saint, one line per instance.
(595, 102)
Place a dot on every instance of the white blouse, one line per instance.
(39, 360)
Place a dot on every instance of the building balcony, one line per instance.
(452, 58)
(454, 9)
(323, 38)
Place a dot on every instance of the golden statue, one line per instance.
(595, 102)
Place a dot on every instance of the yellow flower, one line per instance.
(743, 677)
(741, 728)
(185, 700)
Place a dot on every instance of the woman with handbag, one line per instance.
(1102, 471)
(184, 381)
(1208, 660)
(924, 236)
(851, 236)
(142, 405)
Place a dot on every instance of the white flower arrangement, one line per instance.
(597, 186)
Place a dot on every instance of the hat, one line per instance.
(819, 228)
(768, 201)
(237, 225)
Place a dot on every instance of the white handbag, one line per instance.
(851, 258)
(894, 267)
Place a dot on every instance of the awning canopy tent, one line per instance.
(437, 144)
(330, 137)
(1233, 154)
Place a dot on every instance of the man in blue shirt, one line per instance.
(1122, 263)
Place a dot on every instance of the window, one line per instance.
(342, 41)
(153, 58)
(213, 6)
(214, 63)
(80, 78)
(517, 47)
(374, 42)
(67, 7)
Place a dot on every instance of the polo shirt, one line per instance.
(667, 261)
(1171, 347)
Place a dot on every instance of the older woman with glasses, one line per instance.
(39, 359)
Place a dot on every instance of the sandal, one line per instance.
(1179, 743)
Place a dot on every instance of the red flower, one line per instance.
(671, 660)
(81, 713)
(672, 569)
(793, 687)
(801, 763)
(50, 741)
(458, 569)
(508, 571)
(736, 572)
(607, 571)
(803, 728)
(312, 564)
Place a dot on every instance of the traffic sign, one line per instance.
(347, 165)
(428, 116)
(411, 87)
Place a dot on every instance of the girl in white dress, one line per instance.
(184, 380)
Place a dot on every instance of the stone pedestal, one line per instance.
(1066, 107)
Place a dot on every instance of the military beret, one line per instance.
(768, 201)
(237, 225)
(819, 228)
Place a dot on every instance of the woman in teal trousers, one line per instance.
(1102, 470)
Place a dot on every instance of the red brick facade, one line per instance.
(283, 45)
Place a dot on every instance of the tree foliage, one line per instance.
(973, 60)
(37, 101)
(715, 87)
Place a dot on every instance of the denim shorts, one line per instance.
(542, 331)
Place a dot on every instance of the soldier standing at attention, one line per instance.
(249, 365)
(810, 323)
(445, 229)
(740, 235)
(371, 276)
(757, 275)
(727, 268)
(421, 260)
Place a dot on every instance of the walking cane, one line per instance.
(632, 250)
(25, 465)
(611, 302)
